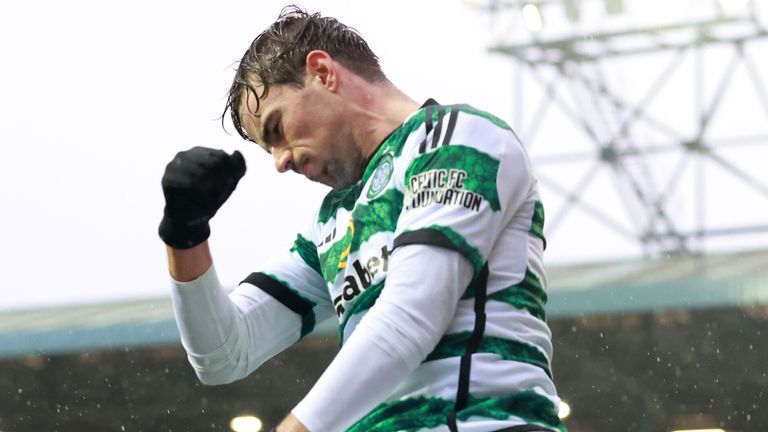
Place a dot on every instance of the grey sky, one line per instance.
(96, 97)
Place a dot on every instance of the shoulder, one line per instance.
(458, 130)
(477, 128)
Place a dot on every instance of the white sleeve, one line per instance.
(228, 336)
(410, 316)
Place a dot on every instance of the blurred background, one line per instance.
(646, 122)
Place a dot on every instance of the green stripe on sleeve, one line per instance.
(468, 251)
(288, 296)
(405, 415)
(528, 405)
(527, 294)
(307, 319)
(537, 222)
(454, 345)
(458, 242)
(430, 412)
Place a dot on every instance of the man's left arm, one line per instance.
(410, 316)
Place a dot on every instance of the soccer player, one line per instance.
(427, 250)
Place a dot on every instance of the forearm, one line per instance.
(227, 336)
(361, 376)
(404, 325)
(188, 264)
(204, 314)
(206, 319)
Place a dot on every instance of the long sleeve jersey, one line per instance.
(432, 265)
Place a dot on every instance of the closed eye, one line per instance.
(275, 133)
(270, 132)
(267, 129)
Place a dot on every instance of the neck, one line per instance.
(379, 109)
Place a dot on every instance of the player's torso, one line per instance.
(355, 235)
(356, 227)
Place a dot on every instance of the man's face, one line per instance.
(306, 131)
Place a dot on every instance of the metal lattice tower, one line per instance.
(648, 101)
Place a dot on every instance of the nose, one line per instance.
(283, 159)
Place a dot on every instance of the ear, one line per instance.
(321, 67)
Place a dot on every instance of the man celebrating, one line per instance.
(428, 249)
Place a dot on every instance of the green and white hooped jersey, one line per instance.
(455, 177)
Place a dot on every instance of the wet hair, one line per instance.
(278, 56)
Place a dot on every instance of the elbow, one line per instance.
(210, 378)
(235, 359)
(217, 374)
(224, 368)
(217, 369)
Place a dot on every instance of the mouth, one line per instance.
(300, 167)
(303, 168)
(310, 171)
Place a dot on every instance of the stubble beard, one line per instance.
(344, 172)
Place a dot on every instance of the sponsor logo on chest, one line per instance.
(360, 276)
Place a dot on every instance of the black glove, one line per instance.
(195, 184)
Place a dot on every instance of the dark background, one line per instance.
(641, 372)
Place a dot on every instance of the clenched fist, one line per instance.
(196, 183)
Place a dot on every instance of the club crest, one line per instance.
(381, 176)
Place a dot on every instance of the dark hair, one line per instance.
(278, 56)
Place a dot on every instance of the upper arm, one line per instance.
(461, 194)
(292, 278)
(274, 308)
